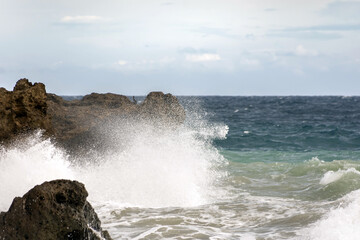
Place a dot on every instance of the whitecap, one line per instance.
(28, 163)
(342, 222)
(331, 176)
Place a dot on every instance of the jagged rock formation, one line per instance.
(58, 209)
(74, 123)
(51, 211)
(166, 107)
(23, 109)
(73, 118)
(78, 123)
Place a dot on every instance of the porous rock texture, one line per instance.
(23, 109)
(75, 124)
(58, 209)
(54, 210)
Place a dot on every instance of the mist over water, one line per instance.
(148, 166)
(156, 168)
(28, 163)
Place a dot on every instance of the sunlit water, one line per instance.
(285, 169)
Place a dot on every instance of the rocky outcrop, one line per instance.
(74, 118)
(79, 124)
(23, 109)
(163, 108)
(74, 121)
(54, 210)
(58, 209)
(75, 124)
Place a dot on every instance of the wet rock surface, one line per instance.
(52, 211)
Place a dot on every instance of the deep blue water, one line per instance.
(281, 123)
(287, 123)
(289, 168)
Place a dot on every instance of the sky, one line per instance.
(185, 47)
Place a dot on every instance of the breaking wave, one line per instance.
(151, 168)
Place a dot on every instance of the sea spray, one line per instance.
(292, 177)
(146, 166)
(29, 162)
(155, 167)
(342, 222)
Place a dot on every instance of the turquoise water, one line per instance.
(240, 168)
(289, 169)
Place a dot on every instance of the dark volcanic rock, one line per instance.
(23, 109)
(163, 108)
(77, 123)
(74, 120)
(52, 211)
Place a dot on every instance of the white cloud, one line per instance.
(139, 64)
(302, 51)
(202, 57)
(122, 62)
(80, 19)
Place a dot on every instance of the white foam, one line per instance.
(342, 222)
(158, 168)
(331, 176)
(248, 236)
(315, 160)
(30, 163)
(153, 168)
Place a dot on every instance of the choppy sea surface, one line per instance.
(240, 168)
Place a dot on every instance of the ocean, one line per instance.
(239, 168)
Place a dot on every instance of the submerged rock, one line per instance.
(51, 211)
(23, 109)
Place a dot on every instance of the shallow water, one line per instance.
(290, 201)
